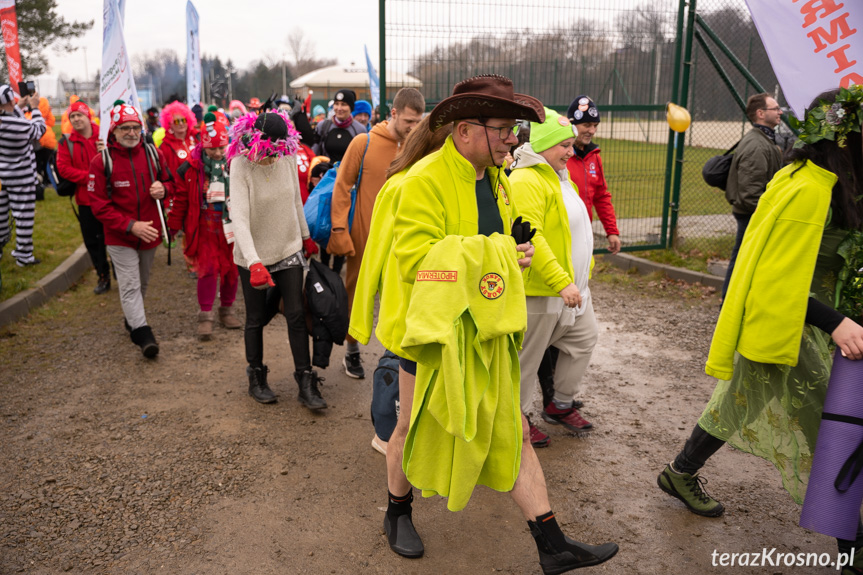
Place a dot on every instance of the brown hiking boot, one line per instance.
(228, 319)
(205, 325)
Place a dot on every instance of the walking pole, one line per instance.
(165, 235)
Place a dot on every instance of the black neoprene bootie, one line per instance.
(258, 387)
(399, 527)
(559, 554)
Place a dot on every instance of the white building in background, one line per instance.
(325, 82)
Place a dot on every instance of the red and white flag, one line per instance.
(813, 45)
(9, 25)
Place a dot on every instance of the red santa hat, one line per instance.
(214, 134)
(122, 113)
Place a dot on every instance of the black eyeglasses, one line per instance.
(774, 109)
(502, 133)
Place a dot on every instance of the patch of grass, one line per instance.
(654, 284)
(55, 236)
(690, 257)
(635, 172)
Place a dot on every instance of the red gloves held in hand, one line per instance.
(260, 278)
(310, 248)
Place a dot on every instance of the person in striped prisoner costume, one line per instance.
(18, 171)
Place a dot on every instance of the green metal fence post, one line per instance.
(382, 64)
(669, 158)
(684, 101)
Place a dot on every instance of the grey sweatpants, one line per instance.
(575, 342)
(133, 275)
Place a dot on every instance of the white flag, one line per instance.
(117, 82)
(193, 56)
(813, 46)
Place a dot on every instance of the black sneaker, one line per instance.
(353, 365)
(402, 536)
(103, 285)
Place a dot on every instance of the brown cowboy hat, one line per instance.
(486, 96)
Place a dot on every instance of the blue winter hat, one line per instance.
(362, 107)
(318, 110)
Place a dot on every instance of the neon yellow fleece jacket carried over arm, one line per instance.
(465, 322)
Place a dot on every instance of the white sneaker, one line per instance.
(379, 445)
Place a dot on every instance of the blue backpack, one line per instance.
(320, 201)
(317, 208)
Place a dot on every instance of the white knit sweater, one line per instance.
(267, 211)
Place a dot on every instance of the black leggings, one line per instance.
(94, 239)
(698, 449)
(289, 282)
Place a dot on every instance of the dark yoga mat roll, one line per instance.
(835, 491)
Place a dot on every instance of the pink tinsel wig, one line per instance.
(248, 141)
(166, 117)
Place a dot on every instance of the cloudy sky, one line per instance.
(242, 31)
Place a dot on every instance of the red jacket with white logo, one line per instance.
(130, 194)
(587, 174)
(76, 167)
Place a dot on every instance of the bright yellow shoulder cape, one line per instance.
(764, 310)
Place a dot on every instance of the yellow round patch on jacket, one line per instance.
(491, 286)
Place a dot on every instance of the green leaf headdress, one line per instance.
(832, 120)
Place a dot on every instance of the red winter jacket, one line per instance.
(130, 196)
(76, 168)
(176, 152)
(186, 210)
(587, 174)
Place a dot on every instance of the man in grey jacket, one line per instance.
(756, 159)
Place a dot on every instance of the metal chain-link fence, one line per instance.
(718, 90)
(626, 55)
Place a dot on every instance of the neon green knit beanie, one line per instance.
(553, 131)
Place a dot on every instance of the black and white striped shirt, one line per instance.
(17, 158)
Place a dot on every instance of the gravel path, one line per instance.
(114, 464)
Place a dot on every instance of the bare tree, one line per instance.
(301, 47)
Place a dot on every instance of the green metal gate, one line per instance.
(629, 56)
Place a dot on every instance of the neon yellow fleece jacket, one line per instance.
(436, 198)
(536, 192)
(764, 311)
(465, 322)
(378, 271)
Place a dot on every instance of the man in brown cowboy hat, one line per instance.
(458, 197)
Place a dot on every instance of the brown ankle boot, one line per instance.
(228, 319)
(205, 325)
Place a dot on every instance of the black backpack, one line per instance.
(65, 188)
(385, 395)
(716, 169)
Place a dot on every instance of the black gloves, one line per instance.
(521, 231)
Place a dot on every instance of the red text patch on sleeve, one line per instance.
(437, 276)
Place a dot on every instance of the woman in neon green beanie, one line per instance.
(559, 307)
